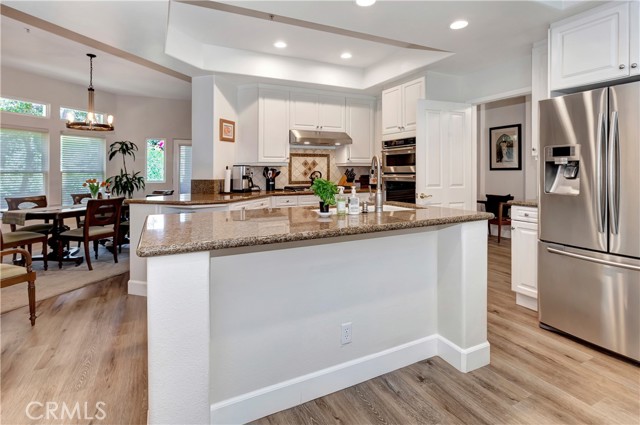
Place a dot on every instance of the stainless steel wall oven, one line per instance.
(399, 170)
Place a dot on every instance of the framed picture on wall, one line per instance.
(227, 131)
(505, 144)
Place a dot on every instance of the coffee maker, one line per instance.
(241, 178)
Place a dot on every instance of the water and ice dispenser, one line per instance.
(562, 169)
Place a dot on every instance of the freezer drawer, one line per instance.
(593, 301)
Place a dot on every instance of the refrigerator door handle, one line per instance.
(601, 151)
(593, 260)
(614, 174)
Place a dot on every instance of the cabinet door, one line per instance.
(273, 138)
(411, 93)
(590, 47)
(391, 110)
(524, 258)
(331, 115)
(360, 126)
(304, 111)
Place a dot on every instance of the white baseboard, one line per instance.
(137, 287)
(527, 301)
(284, 395)
(465, 360)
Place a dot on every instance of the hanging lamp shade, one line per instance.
(90, 124)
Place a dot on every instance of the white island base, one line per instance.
(237, 334)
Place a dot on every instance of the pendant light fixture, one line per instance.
(90, 123)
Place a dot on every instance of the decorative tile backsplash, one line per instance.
(304, 165)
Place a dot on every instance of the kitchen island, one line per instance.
(246, 308)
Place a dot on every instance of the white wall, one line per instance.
(225, 107)
(502, 182)
(508, 76)
(136, 118)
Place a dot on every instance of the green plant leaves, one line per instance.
(125, 183)
(325, 190)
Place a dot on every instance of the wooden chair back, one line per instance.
(26, 202)
(493, 205)
(78, 197)
(103, 212)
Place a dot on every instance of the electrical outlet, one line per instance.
(345, 333)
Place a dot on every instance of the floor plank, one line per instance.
(89, 346)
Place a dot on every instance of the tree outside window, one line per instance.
(155, 160)
(23, 107)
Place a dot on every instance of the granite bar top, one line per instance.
(167, 234)
(533, 203)
(218, 198)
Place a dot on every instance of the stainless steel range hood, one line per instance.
(309, 138)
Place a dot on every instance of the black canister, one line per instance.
(271, 184)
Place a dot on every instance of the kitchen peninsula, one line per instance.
(246, 308)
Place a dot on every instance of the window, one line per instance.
(80, 115)
(23, 163)
(23, 107)
(184, 168)
(81, 158)
(155, 160)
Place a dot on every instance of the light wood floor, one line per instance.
(90, 345)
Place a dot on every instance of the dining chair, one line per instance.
(12, 275)
(20, 239)
(26, 202)
(101, 221)
(497, 205)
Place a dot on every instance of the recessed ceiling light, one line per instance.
(365, 3)
(456, 25)
(280, 44)
(346, 55)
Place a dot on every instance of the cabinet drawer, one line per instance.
(285, 201)
(527, 214)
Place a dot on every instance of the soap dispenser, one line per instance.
(354, 202)
(341, 201)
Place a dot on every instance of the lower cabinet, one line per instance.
(250, 205)
(524, 256)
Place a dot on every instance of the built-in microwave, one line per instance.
(399, 156)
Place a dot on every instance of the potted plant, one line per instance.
(125, 183)
(325, 190)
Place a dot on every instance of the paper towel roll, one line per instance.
(227, 180)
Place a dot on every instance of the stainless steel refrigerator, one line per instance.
(589, 204)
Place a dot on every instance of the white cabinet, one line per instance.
(399, 107)
(304, 200)
(311, 111)
(360, 114)
(539, 90)
(598, 45)
(524, 256)
(250, 205)
(263, 127)
(284, 201)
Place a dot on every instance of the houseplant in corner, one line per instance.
(325, 190)
(125, 183)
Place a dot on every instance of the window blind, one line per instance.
(23, 163)
(185, 169)
(81, 158)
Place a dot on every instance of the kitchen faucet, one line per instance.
(375, 162)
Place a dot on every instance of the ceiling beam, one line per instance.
(222, 7)
(33, 21)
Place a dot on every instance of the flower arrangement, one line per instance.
(94, 186)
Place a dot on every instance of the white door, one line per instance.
(445, 155)
(182, 166)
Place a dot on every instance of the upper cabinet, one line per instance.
(399, 105)
(598, 45)
(360, 116)
(310, 111)
(263, 126)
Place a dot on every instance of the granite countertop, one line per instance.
(533, 203)
(218, 198)
(166, 234)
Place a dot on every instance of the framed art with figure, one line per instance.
(227, 131)
(505, 144)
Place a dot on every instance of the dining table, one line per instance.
(56, 214)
